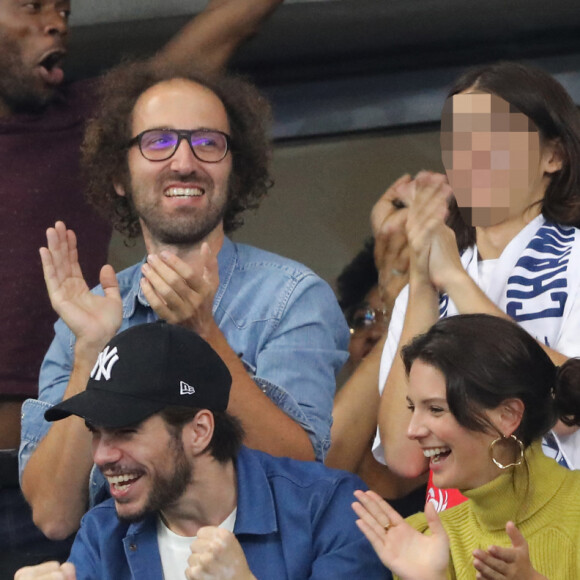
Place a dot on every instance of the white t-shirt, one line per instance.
(175, 549)
(488, 274)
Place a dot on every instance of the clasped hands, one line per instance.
(411, 236)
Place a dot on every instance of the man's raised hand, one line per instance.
(93, 318)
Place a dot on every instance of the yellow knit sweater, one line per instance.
(545, 506)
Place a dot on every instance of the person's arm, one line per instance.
(357, 402)
(449, 276)
(355, 414)
(182, 293)
(427, 212)
(266, 426)
(209, 40)
(55, 479)
(402, 455)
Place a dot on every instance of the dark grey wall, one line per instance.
(357, 88)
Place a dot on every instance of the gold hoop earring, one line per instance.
(520, 445)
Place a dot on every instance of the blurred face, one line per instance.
(181, 200)
(493, 158)
(32, 45)
(146, 467)
(458, 457)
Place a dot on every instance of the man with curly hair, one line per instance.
(179, 157)
(42, 121)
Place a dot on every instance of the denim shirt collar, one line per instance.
(256, 510)
(227, 260)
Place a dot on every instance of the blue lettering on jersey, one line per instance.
(551, 247)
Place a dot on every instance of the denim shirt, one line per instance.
(294, 522)
(281, 318)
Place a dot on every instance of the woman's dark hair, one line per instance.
(104, 151)
(544, 100)
(486, 360)
(228, 433)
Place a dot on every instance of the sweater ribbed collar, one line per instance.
(518, 493)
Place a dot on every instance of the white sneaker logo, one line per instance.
(185, 389)
(105, 364)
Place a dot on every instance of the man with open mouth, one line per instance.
(188, 500)
(42, 121)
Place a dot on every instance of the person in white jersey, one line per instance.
(510, 143)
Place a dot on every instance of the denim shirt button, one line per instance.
(133, 547)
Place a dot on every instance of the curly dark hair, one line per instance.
(104, 150)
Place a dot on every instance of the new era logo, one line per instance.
(105, 363)
(185, 389)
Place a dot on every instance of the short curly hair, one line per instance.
(104, 150)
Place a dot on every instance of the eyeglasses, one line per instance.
(363, 317)
(160, 144)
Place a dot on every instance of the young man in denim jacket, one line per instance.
(187, 499)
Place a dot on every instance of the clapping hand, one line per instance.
(182, 293)
(92, 318)
(408, 553)
(506, 563)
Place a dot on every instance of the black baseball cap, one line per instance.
(145, 369)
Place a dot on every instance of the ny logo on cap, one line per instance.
(105, 364)
(185, 389)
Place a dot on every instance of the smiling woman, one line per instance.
(510, 143)
(482, 394)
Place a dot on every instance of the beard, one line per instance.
(19, 88)
(166, 489)
(180, 229)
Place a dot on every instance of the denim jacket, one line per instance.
(280, 317)
(294, 522)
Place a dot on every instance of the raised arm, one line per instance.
(211, 38)
(356, 404)
(449, 276)
(426, 214)
(55, 479)
(355, 414)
